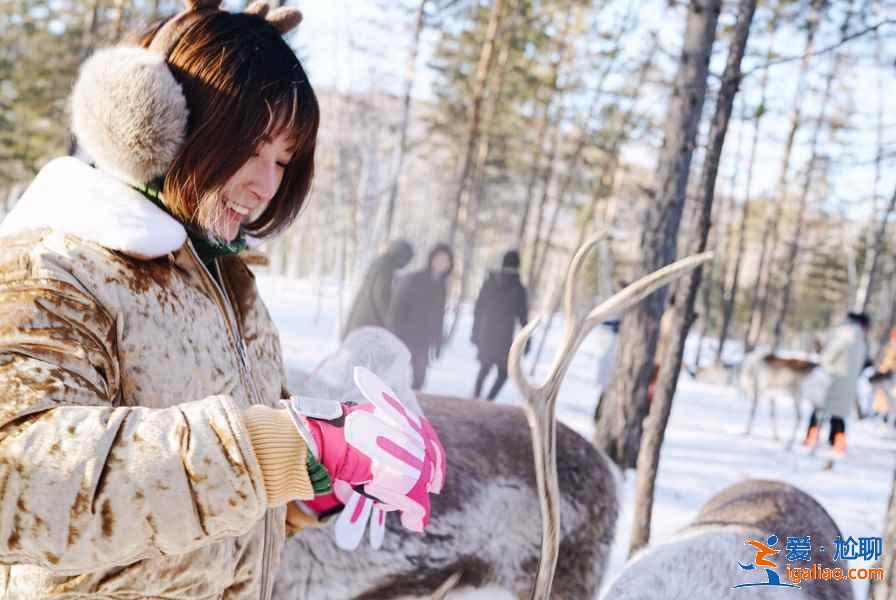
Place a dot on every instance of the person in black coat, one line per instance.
(418, 309)
(371, 305)
(501, 303)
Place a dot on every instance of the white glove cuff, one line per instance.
(302, 407)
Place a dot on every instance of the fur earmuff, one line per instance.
(129, 113)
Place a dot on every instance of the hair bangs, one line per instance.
(242, 83)
(291, 108)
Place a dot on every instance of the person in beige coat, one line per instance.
(143, 450)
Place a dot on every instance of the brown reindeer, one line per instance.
(484, 534)
(762, 372)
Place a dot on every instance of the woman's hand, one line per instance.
(381, 457)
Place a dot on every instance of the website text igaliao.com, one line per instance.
(816, 572)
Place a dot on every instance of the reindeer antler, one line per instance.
(540, 401)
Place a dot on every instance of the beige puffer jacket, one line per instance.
(126, 467)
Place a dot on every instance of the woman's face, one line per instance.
(247, 193)
(441, 262)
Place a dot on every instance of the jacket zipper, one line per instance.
(266, 547)
(241, 346)
(232, 322)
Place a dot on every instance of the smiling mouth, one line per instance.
(239, 209)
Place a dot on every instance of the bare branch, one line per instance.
(844, 40)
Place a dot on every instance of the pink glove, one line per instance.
(381, 457)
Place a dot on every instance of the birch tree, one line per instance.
(762, 283)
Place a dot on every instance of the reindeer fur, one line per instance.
(700, 561)
(485, 524)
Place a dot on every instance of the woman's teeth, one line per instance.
(241, 210)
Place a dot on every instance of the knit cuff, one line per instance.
(281, 453)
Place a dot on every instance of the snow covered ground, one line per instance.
(704, 450)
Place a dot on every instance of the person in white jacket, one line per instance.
(843, 357)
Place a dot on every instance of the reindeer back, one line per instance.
(485, 523)
(700, 561)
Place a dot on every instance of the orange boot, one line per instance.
(839, 445)
(811, 437)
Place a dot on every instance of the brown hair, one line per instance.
(242, 82)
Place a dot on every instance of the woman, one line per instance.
(417, 314)
(501, 303)
(143, 453)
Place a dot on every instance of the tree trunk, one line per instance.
(470, 216)
(723, 225)
(759, 299)
(618, 430)
(730, 298)
(706, 304)
(534, 170)
(571, 27)
(548, 177)
(606, 183)
(410, 70)
(866, 288)
(793, 250)
(544, 126)
(649, 454)
(557, 295)
(572, 170)
(876, 251)
(483, 69)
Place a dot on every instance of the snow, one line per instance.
(704, 450)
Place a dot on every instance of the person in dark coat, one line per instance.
(501, 303)
(417, 313)
(371, 305)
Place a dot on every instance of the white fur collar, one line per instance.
(72, 197)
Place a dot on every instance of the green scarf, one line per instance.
(208, 249)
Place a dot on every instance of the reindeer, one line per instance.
(700, 561)
(485, 524)
(718, 372)
(484, 531)
(761, 372)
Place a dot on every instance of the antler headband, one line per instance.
(283, 18)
